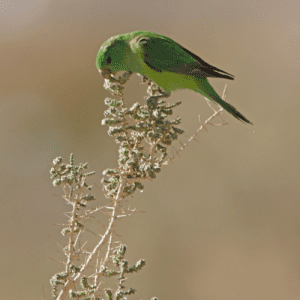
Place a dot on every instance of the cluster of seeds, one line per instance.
(144, 133)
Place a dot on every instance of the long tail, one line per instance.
(207, 90)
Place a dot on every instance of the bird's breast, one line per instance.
(170, 81)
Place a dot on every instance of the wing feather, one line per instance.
(162, 54)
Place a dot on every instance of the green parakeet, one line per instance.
(162, 60)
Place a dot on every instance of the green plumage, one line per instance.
(163, 61)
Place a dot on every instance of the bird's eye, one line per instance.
(108, 61)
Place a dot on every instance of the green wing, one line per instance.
(163, 54)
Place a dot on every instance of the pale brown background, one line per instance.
(223, 221)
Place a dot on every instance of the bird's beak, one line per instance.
(105, 73)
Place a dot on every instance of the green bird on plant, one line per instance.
(162, 60)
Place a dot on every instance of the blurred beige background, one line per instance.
(222, 222)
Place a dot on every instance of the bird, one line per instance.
(164, 61)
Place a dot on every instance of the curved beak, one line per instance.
(106, 73)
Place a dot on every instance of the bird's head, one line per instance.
(113, 56)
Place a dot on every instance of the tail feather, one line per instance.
(232, 110)
(207, 90)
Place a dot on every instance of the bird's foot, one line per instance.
(163, 94)
(145, 80)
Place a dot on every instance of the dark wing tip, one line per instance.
(207, 69)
